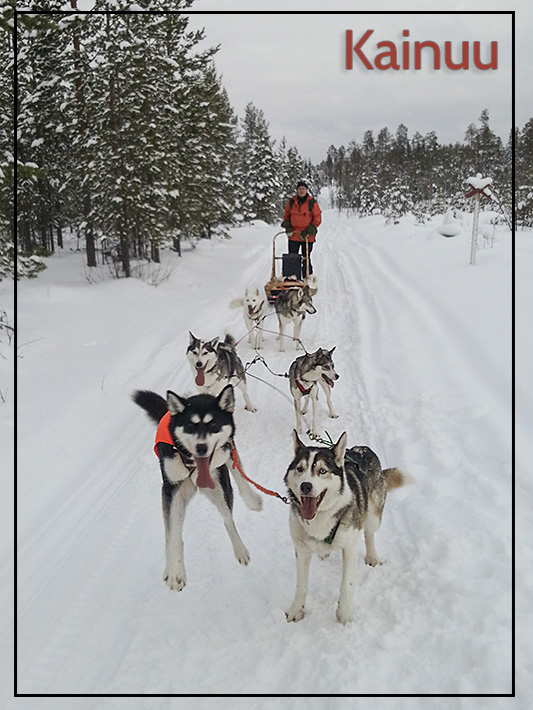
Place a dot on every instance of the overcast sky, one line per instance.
(293, 67)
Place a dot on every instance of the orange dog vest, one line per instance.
(162, 435)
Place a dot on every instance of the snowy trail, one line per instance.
(420, 382)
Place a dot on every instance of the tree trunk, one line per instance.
(80, 105)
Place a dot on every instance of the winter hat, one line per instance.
(301, 184)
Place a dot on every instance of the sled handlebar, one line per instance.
(274, 257)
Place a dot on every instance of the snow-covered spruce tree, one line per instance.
(397, 201)
(313, 176)
(259, 166)
(42, 144)
(524, 175)
(7, 207)
(51, 110)
(291, 169)
(207, 157)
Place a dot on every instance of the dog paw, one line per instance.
(242, 555)
(372, 560)
(344, 614)
(334, 416)
(250, 408)
(176, 580)
(296, 614)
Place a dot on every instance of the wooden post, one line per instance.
(475, 227)
(478, 186)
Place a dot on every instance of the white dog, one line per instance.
(254, 310)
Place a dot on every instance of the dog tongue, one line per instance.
(308, 506)
(200, 377)
(204, 479)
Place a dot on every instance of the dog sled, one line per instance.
(289, 271)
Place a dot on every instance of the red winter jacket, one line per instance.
(301, 216)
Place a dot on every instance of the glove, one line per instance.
(308, 231)
(287, 226)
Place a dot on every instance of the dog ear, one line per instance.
(192, 338)
(175, 403)
(297, 443)
(226, 399)
(214, 343)
(332, 350)
(340, 449)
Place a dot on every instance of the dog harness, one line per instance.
(332, 533)
(162, 435)
(302, 389)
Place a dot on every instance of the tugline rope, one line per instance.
(237, 465)
(273, 332)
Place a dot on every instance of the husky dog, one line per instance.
(335, 494)
(193, 443)
(254, 310)
(217, 364)
(291, 306)
(305, 374)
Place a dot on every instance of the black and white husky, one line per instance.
(193, 443)
(292, 305)
(215, 365)
(306, 373)
(254, 309)
(334, 494)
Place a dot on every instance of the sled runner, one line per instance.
(294, 271)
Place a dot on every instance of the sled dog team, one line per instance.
(335, 493)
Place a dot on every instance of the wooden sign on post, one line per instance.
(479, 187)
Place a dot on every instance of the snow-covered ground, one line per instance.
(423, 349)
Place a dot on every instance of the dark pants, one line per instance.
(294, 248)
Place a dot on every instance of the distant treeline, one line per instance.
(395, 174)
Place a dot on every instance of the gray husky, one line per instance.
(216, 365)
(305, 374)
(193, 443)
(292, 305)
(335, 494)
